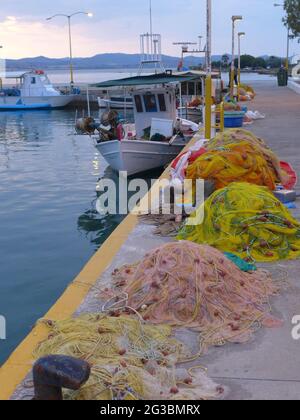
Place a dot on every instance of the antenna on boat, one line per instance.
(151, 22)
(186, 48)
(151, 48)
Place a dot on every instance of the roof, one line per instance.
(199, 73)
(13, 74)
(153, 79)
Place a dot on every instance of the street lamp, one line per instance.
(288, 40)
(240, 34)
(208, 81)
(69, 17)
(234, 19)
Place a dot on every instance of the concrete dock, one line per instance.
(265, 369)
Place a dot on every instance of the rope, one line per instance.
(247, 220)
(187, 285)
(130, 360)
(231, 163)
(238, 136)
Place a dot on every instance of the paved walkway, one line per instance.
(269, 368)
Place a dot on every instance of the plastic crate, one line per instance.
(234, 119)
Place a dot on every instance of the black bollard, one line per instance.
(52, 373)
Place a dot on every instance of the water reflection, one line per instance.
(26, 126)
(96, 227)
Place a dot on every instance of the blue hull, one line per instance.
(24, 107)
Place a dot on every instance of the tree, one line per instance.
(260, 62)
(274, 62)
(292, 20)
(246, 61)
(225, 60)
(216, 64)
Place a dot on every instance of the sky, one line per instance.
(116, 25)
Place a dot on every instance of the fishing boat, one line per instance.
(33, 90)
(115, 102)
(157, 135)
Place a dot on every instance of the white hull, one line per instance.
(35, 102)
(135, 156)
(108, 103)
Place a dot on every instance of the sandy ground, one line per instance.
(269, 367)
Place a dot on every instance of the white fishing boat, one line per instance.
(33, 90)
(157, 135)
(115, 102)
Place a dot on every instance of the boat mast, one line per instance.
(151, 30)
(151, 24)
(150, 43)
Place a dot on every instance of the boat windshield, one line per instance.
(45, 80)
(150, 103)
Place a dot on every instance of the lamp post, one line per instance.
(69, 17)
(288, 40)
(208, 82)
(209, 36)
(240, 34)
(234, 19)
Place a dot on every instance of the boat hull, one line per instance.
(11, 103)
(134, 156)
(107, 103)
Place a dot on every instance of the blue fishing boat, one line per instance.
(33, 90)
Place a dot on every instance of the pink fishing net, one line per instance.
(195, 286)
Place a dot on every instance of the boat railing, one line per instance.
(10, 92)
(67, 90)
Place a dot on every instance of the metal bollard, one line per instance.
(52, 373)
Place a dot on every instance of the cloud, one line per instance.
(116, 26)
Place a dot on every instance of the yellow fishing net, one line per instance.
(231, 163)
(248, 89)
(129, 359)
(195, 286)
(238, 136)
(249, 221)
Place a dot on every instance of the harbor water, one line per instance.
(48, 223)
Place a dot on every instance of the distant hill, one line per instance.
(99, 61)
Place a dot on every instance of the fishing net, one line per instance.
(230, 163)
(248, 89)
(249, 221)
(238, 136)
(129, 359)
(232, 106)
(195, 286)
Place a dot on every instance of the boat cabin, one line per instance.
(155, 97)
(30, 84)
(155, 104)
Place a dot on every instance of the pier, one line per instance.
(266, 368)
